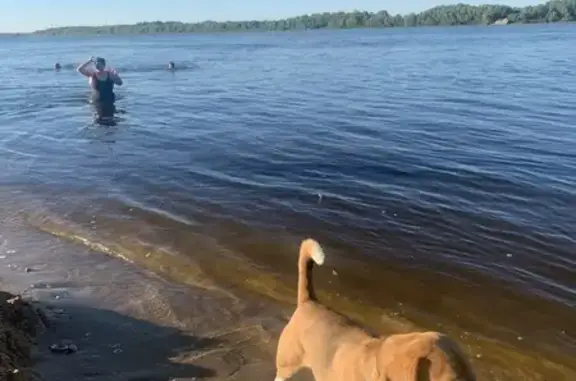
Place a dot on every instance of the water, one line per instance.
(437, 167)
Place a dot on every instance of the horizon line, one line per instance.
(258, 20)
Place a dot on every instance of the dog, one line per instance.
(336, 349)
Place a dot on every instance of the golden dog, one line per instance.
(337, 350)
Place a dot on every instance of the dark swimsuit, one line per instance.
(103, 91)
(103, 97)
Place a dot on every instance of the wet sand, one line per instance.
(511, 336)
(129, 324)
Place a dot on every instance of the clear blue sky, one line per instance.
(29, 15)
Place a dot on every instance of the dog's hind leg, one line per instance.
(288, 355)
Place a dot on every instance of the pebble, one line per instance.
(64, 348)
(479, 356)
(520, 338)
(334, 273)
(10, 251)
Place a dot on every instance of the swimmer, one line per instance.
(57, 66)
(171, 66)
(101, 80)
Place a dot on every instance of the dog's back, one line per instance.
(337, 350)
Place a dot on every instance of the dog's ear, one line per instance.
(398, 357)
(423, 369)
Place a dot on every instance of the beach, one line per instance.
(435, 168)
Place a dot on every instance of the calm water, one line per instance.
(437, 166)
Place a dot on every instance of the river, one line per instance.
(437, 166)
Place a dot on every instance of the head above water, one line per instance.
(171, 65)
(100, 63)
(57, 66)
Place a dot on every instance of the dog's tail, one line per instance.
(310, 252)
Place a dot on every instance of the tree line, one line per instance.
(444, 15)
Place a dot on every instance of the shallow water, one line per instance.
(437, 166)
(127, 323)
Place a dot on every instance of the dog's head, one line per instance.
(420, 356)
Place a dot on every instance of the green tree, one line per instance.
(445, 15)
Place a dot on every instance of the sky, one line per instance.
(30, 15)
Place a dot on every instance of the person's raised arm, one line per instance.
(116, 78)
(83, 68)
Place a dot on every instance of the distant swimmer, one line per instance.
(101, 80)
(171, 66)
(57, 66)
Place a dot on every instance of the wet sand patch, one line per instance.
(124, 323)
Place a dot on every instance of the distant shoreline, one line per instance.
(559, 11)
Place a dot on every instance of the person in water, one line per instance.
(57, 66)
(101, 80)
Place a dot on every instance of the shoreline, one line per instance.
(451, 14)
(85, 292)
(225, 32)
(125, 322)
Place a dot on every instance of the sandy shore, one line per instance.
(125, 323)
(122, 323)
